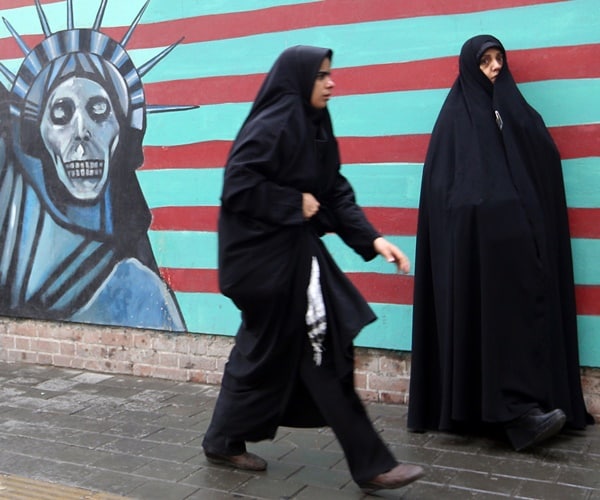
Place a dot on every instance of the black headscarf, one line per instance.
(494, 327)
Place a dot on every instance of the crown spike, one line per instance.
(70, 22)
(10, 76)
(148, 65)
(24, 48)
(99, 16)
(43, 19)
(134, 25)
(164, 108)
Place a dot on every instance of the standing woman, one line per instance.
(494, 327)
(292, 362)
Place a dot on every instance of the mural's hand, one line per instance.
(310, 205)
(392, 253)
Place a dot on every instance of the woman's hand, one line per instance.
(310, 205)
(392, 253)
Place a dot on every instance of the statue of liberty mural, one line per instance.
(73, 219)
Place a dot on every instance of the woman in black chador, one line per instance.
(494, 327)
(292, 363)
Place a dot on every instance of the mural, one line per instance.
(73, 220)
(394, 62)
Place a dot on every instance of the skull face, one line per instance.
(81, 132)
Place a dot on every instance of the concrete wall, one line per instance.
(381, 375)
(393, 64)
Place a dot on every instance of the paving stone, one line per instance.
(141, 438)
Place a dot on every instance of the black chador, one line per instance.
(494, 330)
(268, 252)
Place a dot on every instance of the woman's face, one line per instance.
(323, 86)
(491, 62)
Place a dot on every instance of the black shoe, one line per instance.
(534, 427)
(399, 476)
(243, 461)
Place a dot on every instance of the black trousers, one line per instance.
(337, 400)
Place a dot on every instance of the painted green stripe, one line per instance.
(589, 340)
(354, 44)
(582, 178)
(376, 185)
(184, 249)
(181, 187)
(392, 330)
(209, 313)
(585, 261)
(395, 40)
(383, 185)
(215, 314)
(560, 102)
(197, 249)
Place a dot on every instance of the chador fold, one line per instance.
(292, 362)
(494, 330)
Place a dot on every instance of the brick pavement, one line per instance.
(140, 438)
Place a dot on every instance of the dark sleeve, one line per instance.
(351, 223)
(249, 187)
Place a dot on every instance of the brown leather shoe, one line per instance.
(399, 476)
(245, 461)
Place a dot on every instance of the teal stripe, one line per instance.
(196, 249)
(350, 261)
(383, 185)
(181, 187)
(560, 102)
(208, 313)
(184, 249)
(376, 185)
(354, 44)
(215, 314)
(589, 340)
(392, 330)
(585, 261)
(395, 40)
(582, 178)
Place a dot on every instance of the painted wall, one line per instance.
(394, 62)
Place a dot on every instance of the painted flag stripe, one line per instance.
(575, 141)
(380, 288)
(549, 63)
(584, 222)
(287, 18)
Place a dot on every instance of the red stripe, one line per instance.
(550, 63)
(578, 141)
(389, 221)
(285, 18)
(588, 299)
(584, 222)
(379, 288)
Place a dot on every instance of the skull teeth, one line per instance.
(84, 169)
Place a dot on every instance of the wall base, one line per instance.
(380, 375)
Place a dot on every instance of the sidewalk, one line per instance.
(139, 438)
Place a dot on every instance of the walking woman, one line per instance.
(494, 327)
(292, 362)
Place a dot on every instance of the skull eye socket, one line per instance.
(62, 111)
(98, 107)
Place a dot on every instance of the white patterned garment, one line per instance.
(316, 319)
